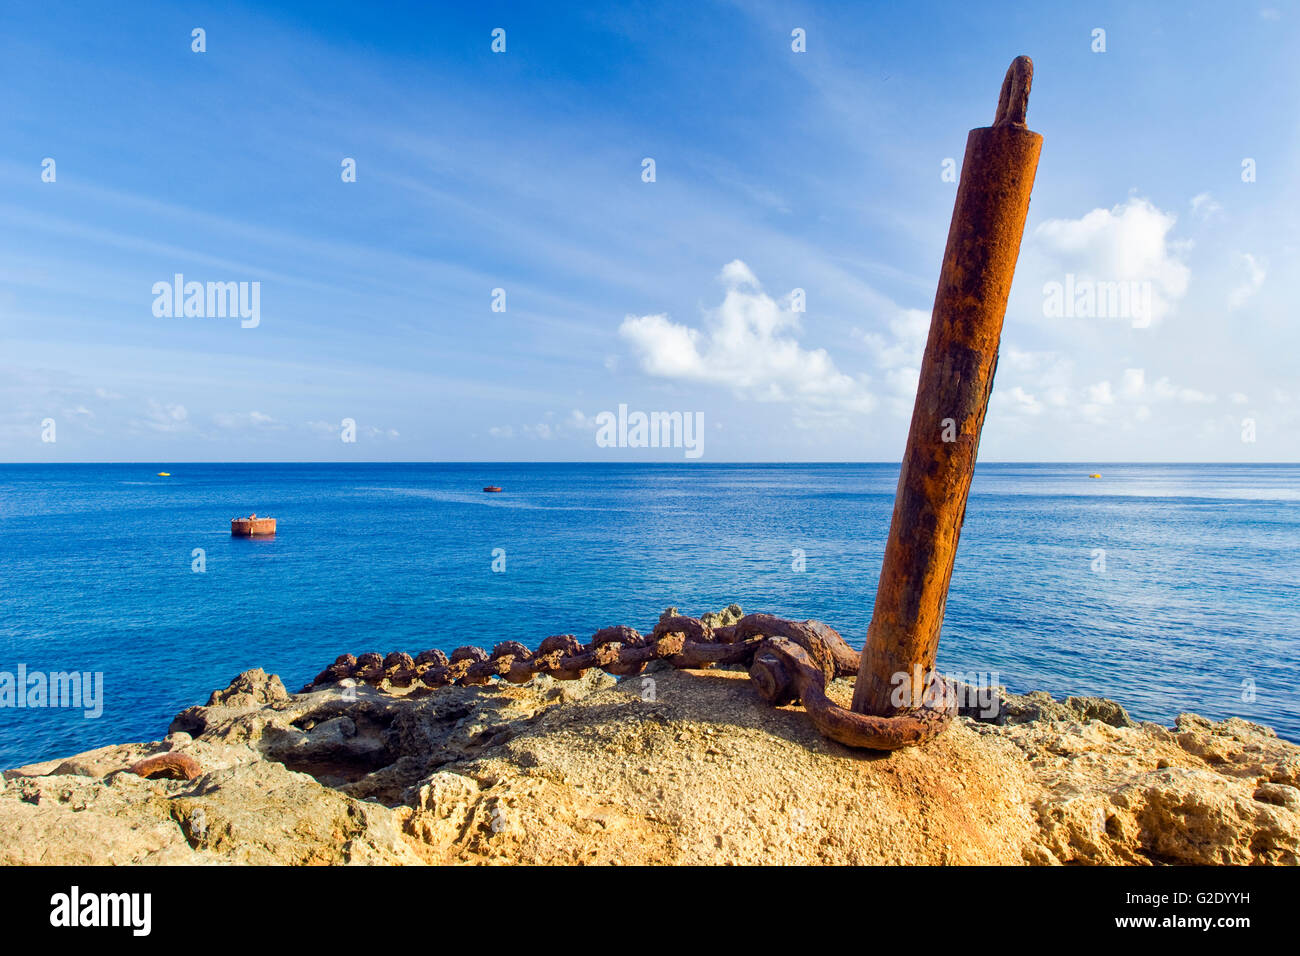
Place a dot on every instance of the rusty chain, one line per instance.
(789, 661)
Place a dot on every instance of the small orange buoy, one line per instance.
(250, 526)
(492, 488)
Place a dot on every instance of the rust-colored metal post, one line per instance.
(961, 356)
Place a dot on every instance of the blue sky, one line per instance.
(522, 171)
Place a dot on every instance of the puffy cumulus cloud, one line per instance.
(1128, 243)
(1044, 384)
(909, 330)
(902, 383)
(750, 344)
(1254, 272)
(738, 275)
(1134, 387)
(1035, 383)
(666, 349)
(1031, 383)
(1049, 372)
(898, 356)
(1021, 401)
(1133, 397)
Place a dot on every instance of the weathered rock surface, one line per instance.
(669, 767)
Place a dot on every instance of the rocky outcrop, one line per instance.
(1201, 793)
(1040, 706)
(666, 767)
(246, 693)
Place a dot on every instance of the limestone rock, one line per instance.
(666, 767)
(257, 812)
(248, 691)
(1206, 794)
(727, 616)
(1041, 706)
(1099, 708)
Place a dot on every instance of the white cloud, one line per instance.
(667, 350)
(1129, 243)
(910, 328)
(735, 274)
(1043, 384)
(899, 356)
(1255, 273)
(1018, 400)
(750, 344)
(1164, 390)
(576, 422)
(1204, 206)
(1099, 394)
(164, 417)
(1135, 390)
(252, 419)
(1134, 382)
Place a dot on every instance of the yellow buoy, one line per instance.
(164, 474)
(1094, 476)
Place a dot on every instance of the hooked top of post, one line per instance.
(1014, 100)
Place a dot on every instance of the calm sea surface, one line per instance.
(1200, 592)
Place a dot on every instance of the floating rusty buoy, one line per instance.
(250, 526)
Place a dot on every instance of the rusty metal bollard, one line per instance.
(961, 356)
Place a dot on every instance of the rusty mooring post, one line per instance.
(961, 356)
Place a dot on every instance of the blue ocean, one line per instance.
(1167, 587)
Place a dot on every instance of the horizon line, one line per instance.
(687, 462)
